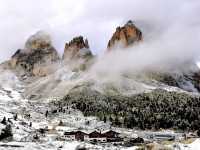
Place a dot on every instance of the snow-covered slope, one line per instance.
(25, 127)
(59, 83)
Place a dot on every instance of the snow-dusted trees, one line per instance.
(6, 132)
(4, 121)
(198, 132)
(154, 110)
(46, 113)
(15, 117)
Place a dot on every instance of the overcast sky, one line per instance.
(94, 19)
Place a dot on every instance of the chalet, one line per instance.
(74, 135)
(112, 136)
(69, 136)
(80, 136)
(95, 137)
(109, 136)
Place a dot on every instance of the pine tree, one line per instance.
(104, 119)
(117, 122)
(198, 132)
(111, 119)
(15, 117)
(6, 132)
(125, 123)
(46, 114)
(4, 121)
(30, 125)
(60, 123)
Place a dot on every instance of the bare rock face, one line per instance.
(37, 55)
(76, 48)
(125, 36)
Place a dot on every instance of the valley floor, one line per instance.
(31, 116)
(28, 117)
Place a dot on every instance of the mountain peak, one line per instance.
(40, 40)
(130, 23)
(125, 36)
(76, 48)
(37, 52)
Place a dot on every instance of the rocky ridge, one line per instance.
(39, 57)
(153, 103)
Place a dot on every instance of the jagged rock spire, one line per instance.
(76, 47)
(125, 36)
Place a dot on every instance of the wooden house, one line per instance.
(74, 135)
(95, 137)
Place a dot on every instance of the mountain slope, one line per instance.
(46, 76)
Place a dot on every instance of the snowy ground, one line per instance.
(57, 145)
(12, 102)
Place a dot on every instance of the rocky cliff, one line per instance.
(129, 100)
(125, 36)
(36, 56)
(39, 57)
(76, 48)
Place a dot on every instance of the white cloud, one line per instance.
(96, 20)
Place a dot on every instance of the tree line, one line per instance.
(154, 110)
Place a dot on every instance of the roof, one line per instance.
(74, 133)
(80, 132)
(96, 134)
(111, 131)
(69, 133)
